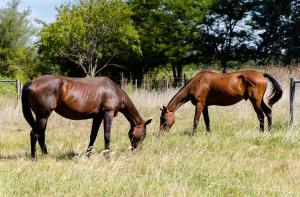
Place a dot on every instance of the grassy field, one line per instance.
(235, 159)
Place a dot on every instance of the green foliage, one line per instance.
(274, 18)
(167, 29)
(15, 33)
(138, 37)
(7, 88)
(226, 33)
(90, 34)
(164, 72)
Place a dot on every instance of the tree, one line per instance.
(292, 40)
(146, 21)
(272, 19)
(15, 32)
(166, 30)
(226, 32)
(91, 34)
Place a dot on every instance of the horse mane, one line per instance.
(186, 85)
(132, 107)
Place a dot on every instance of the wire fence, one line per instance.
(151, 84)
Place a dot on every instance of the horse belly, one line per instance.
(75, 112)
(223, 99)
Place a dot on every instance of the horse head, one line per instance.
(137, 133)
(166, 120)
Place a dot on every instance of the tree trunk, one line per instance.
(224, 65)
(174, 71)
(177, 73)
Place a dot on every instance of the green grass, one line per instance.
(7, 88)
(235, 159)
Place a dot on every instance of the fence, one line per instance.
(18, 86)
(145, 84)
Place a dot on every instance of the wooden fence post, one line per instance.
(292, 95)
(18, 86)
(167, 83)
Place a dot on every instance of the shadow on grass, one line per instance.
(187, 132)
(197, 133)
(15, 156)
(68, 155)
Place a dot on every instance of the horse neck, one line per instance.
(130, 112)
(179, 99)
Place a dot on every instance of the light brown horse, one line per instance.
(210, 88)
(79, 98)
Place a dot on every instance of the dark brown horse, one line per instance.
(209, 88)
(79, 98)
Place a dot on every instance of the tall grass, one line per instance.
(234, 159)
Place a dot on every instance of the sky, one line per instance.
(40, 9)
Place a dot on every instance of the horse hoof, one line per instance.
(34, 159)
(89, 153)
(163, 133)
(106, 153)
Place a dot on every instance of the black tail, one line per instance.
(276, 92)
(25, 105)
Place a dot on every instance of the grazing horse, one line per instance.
(210, 88)
(79, 98)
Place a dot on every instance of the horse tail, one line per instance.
(275, 93)
(26, 106)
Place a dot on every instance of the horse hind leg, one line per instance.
(33, 140)
(206, 118)
(41, 124)
(268, 112)
(38, 132)
(260, 115)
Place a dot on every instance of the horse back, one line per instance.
(226, 88)
(76, 98)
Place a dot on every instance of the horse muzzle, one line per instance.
(164, 130)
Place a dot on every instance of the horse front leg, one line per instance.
(95, 128)
(206, 118)
(108, 117)
(198, 110)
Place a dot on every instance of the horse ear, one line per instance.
(163, 109)
(148, 122)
